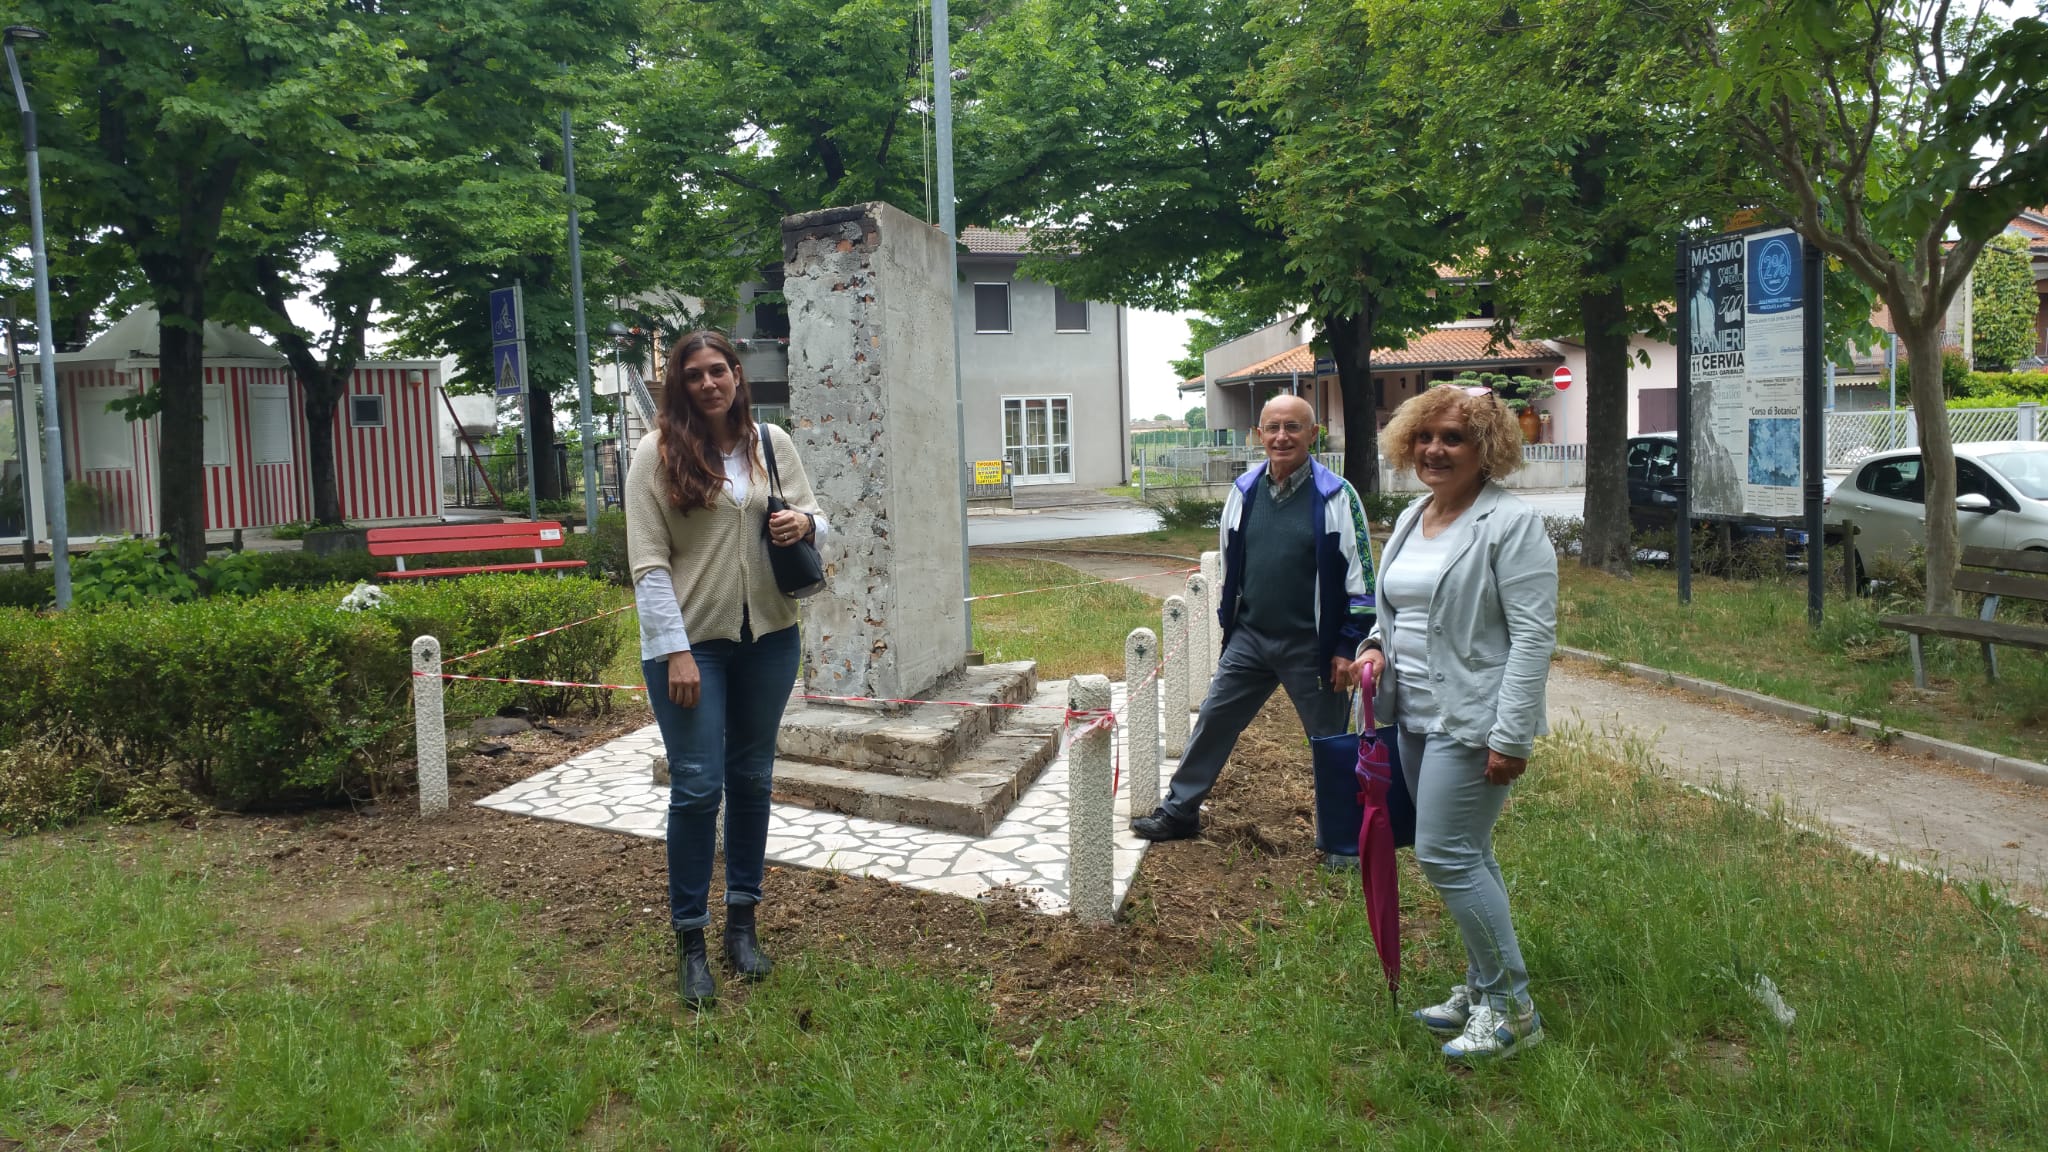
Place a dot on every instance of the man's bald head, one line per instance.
(1285, 407)
(1287, 428)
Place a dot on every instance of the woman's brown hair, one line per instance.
(689, 444)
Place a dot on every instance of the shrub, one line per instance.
(604, 548)
(130, 572)
(1955, 371)
(1383, 508)
(274, 699)
(1184, 509)
(23, 589)
(1567, 533)
(478, 611)
(279, 699)
(46, 781)
(297, 529)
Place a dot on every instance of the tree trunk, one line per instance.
(1351, 340)
(1937, 453)
(321, 403)
(181, 426)
(1606, 542)
(547, 479)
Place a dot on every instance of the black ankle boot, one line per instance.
(693, 969)
(742, 947)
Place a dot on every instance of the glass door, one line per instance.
(1038, 439)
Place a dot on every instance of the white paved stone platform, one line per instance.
(609, 788)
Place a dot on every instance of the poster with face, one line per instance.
(1719, 438)
(1775, 321)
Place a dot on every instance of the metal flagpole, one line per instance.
(46, 362)
(942, 99)
(584, 423)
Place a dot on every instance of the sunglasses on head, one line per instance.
(1475, 389)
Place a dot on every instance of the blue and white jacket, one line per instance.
(1344, 576)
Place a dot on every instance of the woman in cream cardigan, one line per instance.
(1467, 621)
(718, 639)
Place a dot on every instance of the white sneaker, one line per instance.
(1448, 1018)
(1492, 1034)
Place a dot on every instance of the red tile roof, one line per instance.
(1437, 348)
(1447, 347)
(995, 242)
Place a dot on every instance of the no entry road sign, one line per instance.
(1562, 378)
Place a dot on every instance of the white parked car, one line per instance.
(2001, 500)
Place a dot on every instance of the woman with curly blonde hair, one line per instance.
(1461, 655)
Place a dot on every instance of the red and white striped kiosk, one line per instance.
(256, 471)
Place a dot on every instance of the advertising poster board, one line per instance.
(1746, 335)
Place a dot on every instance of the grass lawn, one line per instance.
(160, 990)
(1753, 634)
(1068, 631)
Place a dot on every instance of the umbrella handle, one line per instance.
(1365, 694)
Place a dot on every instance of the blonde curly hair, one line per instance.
(1488, 423)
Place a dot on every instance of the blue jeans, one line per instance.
(722, 748)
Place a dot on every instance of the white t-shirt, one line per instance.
(1406, 586)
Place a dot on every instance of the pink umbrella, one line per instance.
(1376, 840)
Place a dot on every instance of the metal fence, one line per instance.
(1183, 467)
(467, 481)
(1851, 436)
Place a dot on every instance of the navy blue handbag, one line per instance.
(1338, 813)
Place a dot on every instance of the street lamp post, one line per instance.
(46, 362)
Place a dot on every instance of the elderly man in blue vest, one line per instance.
(1296, 602)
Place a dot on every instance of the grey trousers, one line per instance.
(1455, 809)
(1252, 666)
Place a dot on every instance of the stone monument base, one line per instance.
(955, 768)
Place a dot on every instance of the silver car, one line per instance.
(2001, 500)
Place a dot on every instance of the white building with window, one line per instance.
(1044, 377)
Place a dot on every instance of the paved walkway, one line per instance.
(610, 788)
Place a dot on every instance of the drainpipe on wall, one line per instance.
(1123, 400)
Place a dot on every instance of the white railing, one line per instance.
(1553, 453)
(1851, 436)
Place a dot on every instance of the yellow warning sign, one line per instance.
(988, 472)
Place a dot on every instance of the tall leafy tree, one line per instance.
(1561, 129)
(159, 118)
(485, 85)
(1904, 135)
(1340, 179)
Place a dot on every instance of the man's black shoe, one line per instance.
(1164, 825)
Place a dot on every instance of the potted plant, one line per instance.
(1519, 393)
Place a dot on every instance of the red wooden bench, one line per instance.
(443, 539)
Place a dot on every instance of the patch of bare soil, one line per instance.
(595, 889)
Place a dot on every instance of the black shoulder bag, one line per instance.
(798, 571)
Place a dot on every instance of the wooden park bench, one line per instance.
(446, 539)
(1992, 572)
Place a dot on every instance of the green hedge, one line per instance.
(281, 699)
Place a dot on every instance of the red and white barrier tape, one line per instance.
(1084, 584)
(535, 636)
(1101, 719)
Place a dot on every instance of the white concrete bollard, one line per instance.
(1173, 622)
(1212, 571)
(430, 726)
(1201, 622)
(1141, 718)
(1091, 850)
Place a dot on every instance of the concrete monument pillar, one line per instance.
(871, 397)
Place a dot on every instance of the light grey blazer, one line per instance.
(1493, 625)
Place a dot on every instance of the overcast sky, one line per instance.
(1154, 338)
